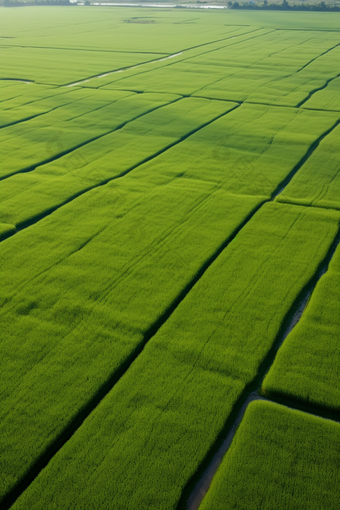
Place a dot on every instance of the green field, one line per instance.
(273, 445)
(307, 366)
(169, 190)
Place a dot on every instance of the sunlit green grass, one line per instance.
(280, 459)
(142, 444)
(307, 365)
(318, 181)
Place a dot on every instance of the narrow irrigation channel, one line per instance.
(198, 487)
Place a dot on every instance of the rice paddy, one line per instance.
(169, 192)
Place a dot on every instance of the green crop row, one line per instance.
(280, 459)
(307, 365)
(70, 103)
(317, 183)
(249, 151)
(87, 294)
(246, 70)
(327, 98)
(55, 133)
(27, 196)
(145, 440)
(57, 66)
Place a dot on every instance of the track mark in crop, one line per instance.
(60, 154)
(312, 92)
(27, 223)
(198, 486)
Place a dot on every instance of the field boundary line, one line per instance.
(200, 482)
(194, 56)
(27, 223)
(312, 92)
(31, 168)
(93, 403)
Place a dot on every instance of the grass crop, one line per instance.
(307, 366)
(58, 132)
(245, 151)
(78, 308)
(280, 458)
(27, 196)
(146, 439)
(136, 147)
(327, 98)
(6, 229)
(318, 181)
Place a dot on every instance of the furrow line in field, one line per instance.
(191, 56)
(122, 69)
(303, 160)
(111, 382)
(35, 219)
(87, 49)
(77, 421)
(82, 144)
(199, 485)
(312, 92)
(37, 115)
(313, 59)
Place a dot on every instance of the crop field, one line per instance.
(274, 444)
(307, 366)
(169, 209)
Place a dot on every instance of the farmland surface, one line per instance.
(170, 209)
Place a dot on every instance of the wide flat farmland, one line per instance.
(169, 243)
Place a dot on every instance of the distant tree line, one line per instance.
(285, 6)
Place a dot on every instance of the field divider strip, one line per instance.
(92, 404)
(77, 421)
(194, 56)
(284, 183)
(27, 223)
(31, 168)
(198, 486)
(313, 60)
(312, 92)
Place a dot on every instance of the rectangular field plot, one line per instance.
(317, 183)
(280, 459)
(49, 136)
(249, 150)
(56, 66)
(95, 286)
(307, 366)
(148, 436)
(326, 99)
(29, 195)
(261, 66)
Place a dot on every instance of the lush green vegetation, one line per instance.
(279, 459)
(253, 168)
(78, 309)
(307, 366)
(318, 181)
(146, 253)
(148, 436)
